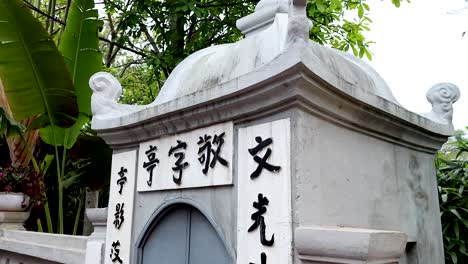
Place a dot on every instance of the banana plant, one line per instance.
(35, 78)
(46, 83)
(80, 48)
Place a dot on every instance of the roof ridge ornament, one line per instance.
(442, 96)
(299, 24)
(263, 17)
(106, 93)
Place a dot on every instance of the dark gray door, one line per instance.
(184, 236)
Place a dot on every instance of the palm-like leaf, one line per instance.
(80, 48)
(32, 70)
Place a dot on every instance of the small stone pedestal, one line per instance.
(96, 242)
(13, 220)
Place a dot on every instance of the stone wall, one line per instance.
(25, 247)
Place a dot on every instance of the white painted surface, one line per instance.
(276, 186)
(192, 175)
(123, 235)
(40, 248)
(345, 245)
(12, 202)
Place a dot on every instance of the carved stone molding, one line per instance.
(349, 245)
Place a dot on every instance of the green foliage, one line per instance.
(28, 57)
(330, 27)
(80, 48)
(64, 137)
(452, 173)
(139, 83)
(8, 126)
(32, 70)
(165, 32)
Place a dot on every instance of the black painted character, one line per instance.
(263, 258)
(206, 151)
(115, 252)
(259, 220)
(122, 179)
(119, 215)
(151, 164)
(180, 156)
(262, 162)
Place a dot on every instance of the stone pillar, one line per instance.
(13, 220)
(96, 241)
(91, 201)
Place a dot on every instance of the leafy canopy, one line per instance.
(452, 175)
(163, 33)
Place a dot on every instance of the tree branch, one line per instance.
(123, 47)
(30, 6)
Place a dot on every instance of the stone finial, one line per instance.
(106, 92)
(299, 25)
(106, 84)
(263, 17)
(280, 4)
(442, 96)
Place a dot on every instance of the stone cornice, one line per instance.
(283, 84)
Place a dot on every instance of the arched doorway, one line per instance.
(183, 235)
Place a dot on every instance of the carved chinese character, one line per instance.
(151, 164)
(119, 215)
(115, 252)
(208, 156)
(122, 179)
(263, 258)
(259, 220)
(179, 164)
(262, 162)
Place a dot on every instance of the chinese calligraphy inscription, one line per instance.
(121, 197)
(122, 180)
(151, 163)
(264, 208)
(180, 165)
(259, 220)
(208, 156)
(262, 162)
(263, 258)
(119, 215)
(115, 252)
(198, 158)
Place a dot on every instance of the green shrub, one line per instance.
(452, 175)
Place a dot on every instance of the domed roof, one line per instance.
(266, 36)
(276, 42)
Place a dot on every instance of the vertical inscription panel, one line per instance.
(199, 158)
(264, 227)
(120, 210)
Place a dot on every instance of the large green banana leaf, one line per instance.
(33, 72)
(80, 48)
